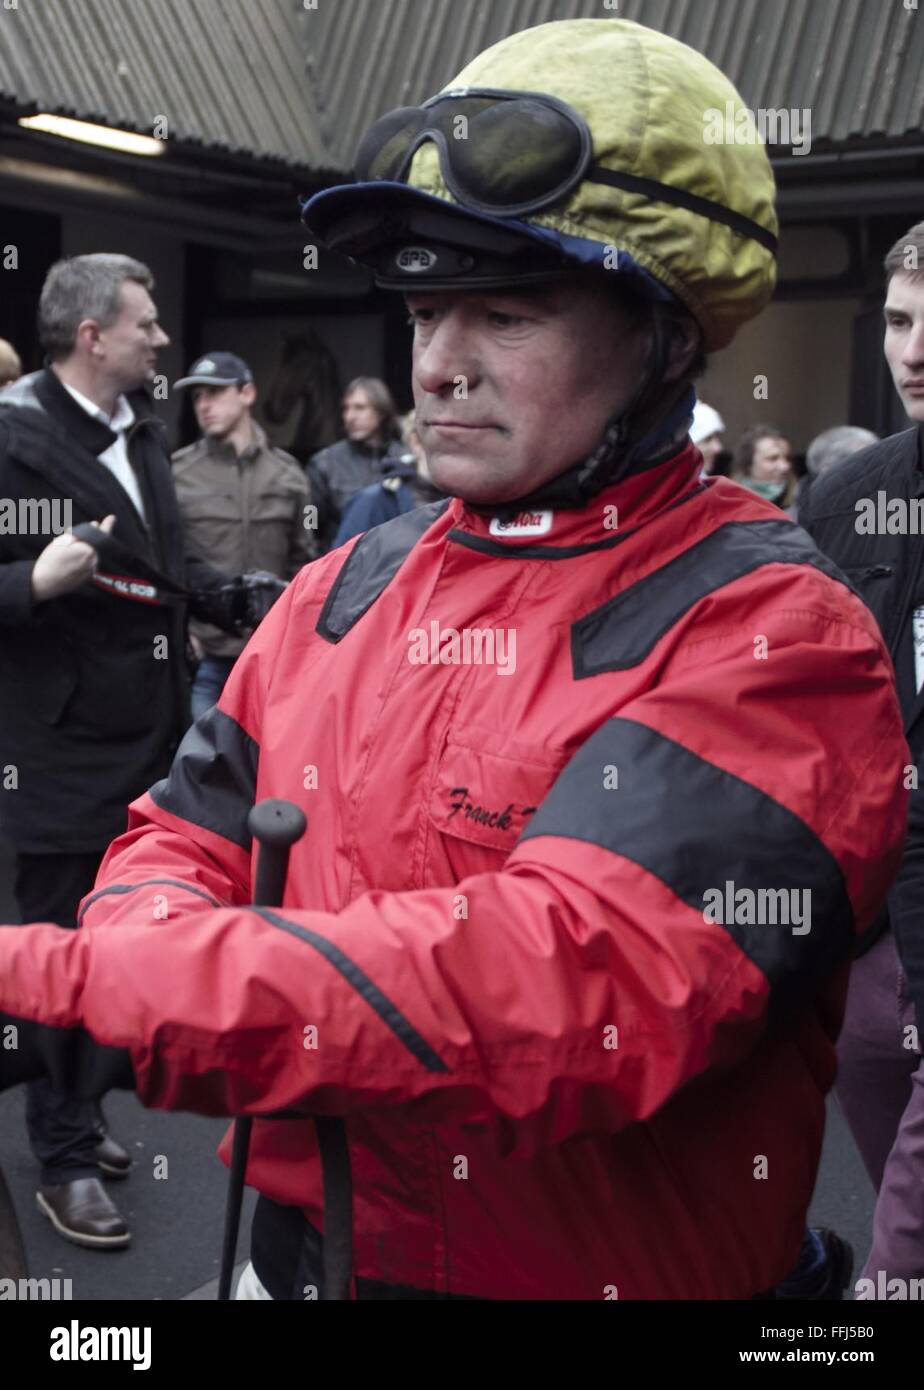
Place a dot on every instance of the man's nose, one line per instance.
(161, 339)
(445, 358)
(913, 354)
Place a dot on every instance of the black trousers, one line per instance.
(63, 1132)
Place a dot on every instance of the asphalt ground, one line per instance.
(176, 1219)
(174, 1209)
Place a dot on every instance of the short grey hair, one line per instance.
(833, 446)
(84, 287)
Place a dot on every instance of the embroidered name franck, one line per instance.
(482, 815)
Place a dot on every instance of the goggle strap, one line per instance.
(665, 193)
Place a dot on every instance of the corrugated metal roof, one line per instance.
(227, 74)
(857, 65)
(278, 80)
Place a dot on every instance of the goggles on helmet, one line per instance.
(508, 154)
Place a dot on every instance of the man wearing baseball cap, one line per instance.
(217, 369)
(244, 503)
(562, 739)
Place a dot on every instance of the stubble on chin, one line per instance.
(478, 485)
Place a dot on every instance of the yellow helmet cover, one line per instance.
(648, 101)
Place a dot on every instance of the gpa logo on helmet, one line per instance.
(206, 365)
(414, 260)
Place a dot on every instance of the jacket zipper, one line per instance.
(873, 572)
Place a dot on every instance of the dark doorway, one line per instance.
(30, 243)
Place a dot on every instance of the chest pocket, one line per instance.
(486, 788)
(215, 505)
(273, 506)
(875, 585)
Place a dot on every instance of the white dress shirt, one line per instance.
(917, 630)
(115, 458)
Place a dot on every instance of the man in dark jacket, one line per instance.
(338, 473)
(93, 685)
(404, 485)
(867, 516)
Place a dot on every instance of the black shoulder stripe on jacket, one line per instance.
(121, 888)
(700, 829)
(388, 1012)
(624, 630)
(372, 565)
(212, 781)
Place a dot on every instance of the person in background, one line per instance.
(10, 364)
(851, 514)
(706, 433)
(243, 502)
(406, 484)
(763, 464)
(93, 684)
(339, 472)
(825, 451)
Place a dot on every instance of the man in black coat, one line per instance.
(93, 682)
(868, 516)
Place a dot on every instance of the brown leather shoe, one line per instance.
(81, 1211)
(112, 1158)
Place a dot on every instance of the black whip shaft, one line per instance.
(276, 826)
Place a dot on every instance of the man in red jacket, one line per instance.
(602, 762)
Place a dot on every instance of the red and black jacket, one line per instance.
(560, 1074)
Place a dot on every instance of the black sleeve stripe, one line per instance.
(388, 1012)
(212, 782)
(622, 632)
(149, 883)
(698, 828)
(372, 565)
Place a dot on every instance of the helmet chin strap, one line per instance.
(645, 433)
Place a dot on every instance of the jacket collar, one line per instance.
(403, 466)
(55, 437)
(603, 521)
(221, 450)
(84, 429)
(361, 448)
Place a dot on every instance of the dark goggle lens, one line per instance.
(384, 147)
(494, 152)
(515, 152)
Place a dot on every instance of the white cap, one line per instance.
(706, 422)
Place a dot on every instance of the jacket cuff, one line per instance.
(17, 605)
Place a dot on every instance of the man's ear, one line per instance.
(87, 336)
(684, 346)
(249, 394)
